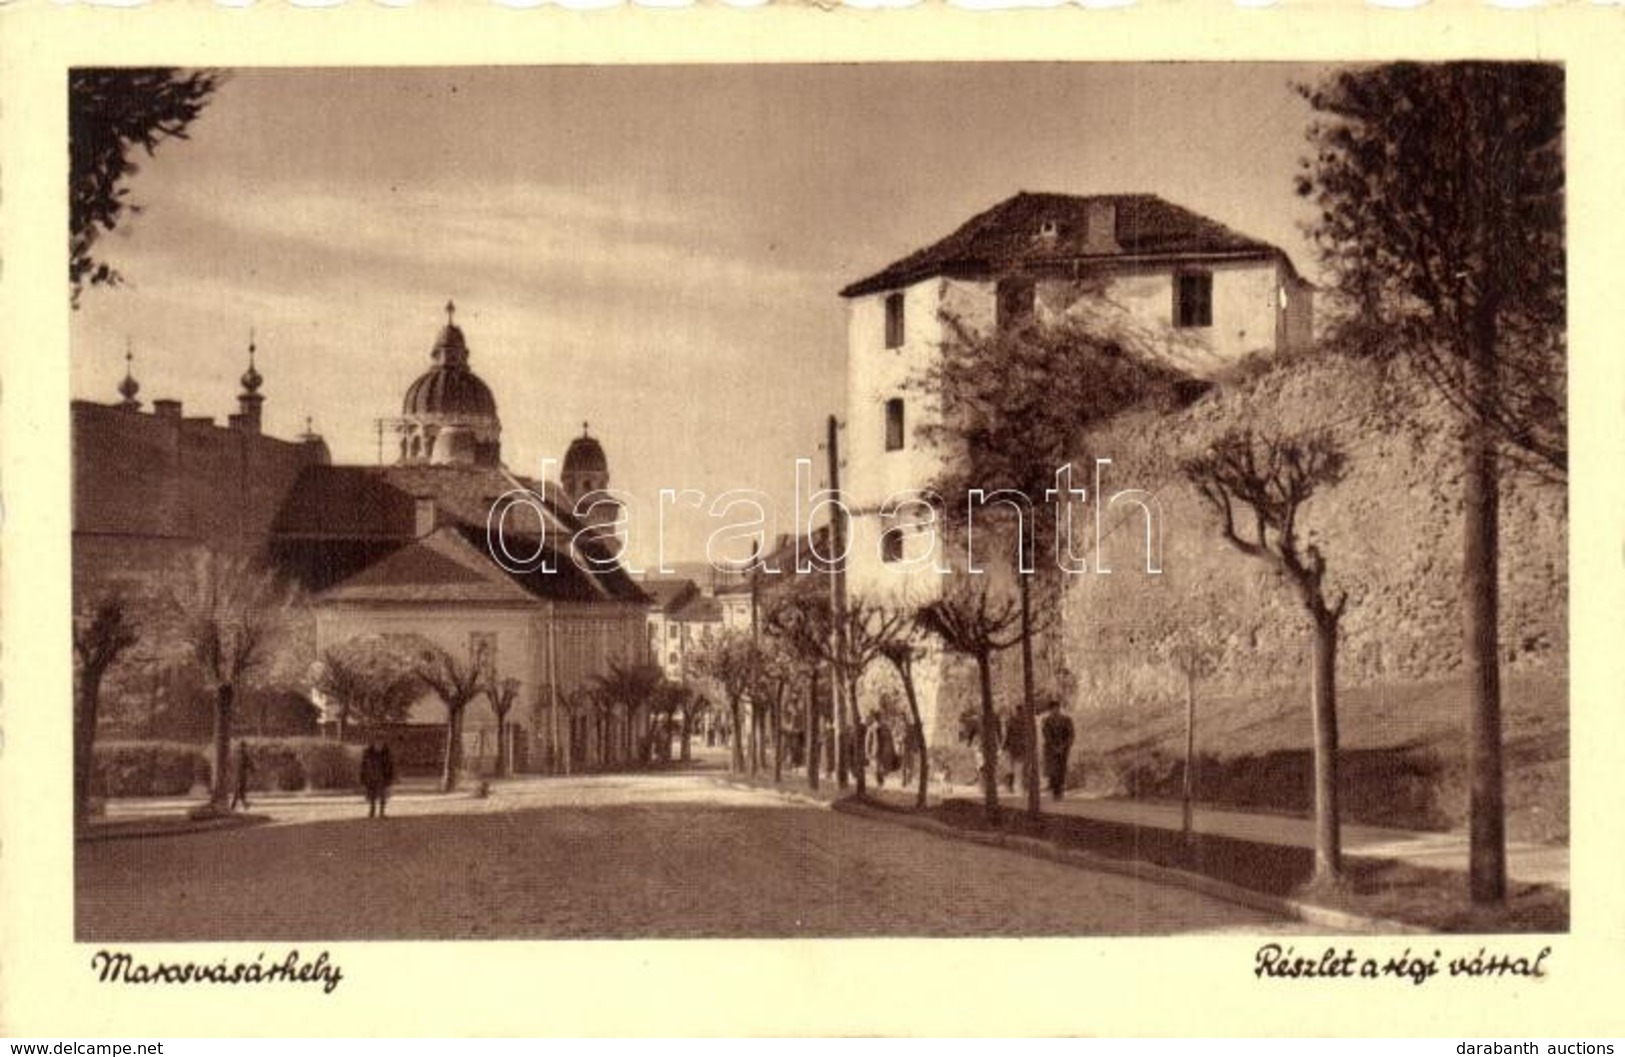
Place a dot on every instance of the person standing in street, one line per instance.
(245, 767)
(1058, 734)
(377, 774)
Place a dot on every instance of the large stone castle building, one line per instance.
(389, 550)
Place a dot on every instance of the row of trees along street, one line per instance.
(1439, 194)
(1439, 191)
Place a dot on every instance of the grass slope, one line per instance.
(1403, 753)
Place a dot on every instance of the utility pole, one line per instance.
(837, 602)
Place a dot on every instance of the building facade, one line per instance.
(1177, 286)
(397, 551)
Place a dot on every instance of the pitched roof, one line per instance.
(665, 591)
(452, 565)
(1007, 236)
(353, 502)
(441, 567)
(700, 609)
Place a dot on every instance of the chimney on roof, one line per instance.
(1101, 234)
(426, 517)
(166, 408)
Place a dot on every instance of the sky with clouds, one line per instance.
(656, 250)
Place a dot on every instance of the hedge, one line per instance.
(167, 768)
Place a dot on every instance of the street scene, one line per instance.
(686, 857)
(846, 502)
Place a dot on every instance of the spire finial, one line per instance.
(129, 387)
(451, 312)
(583, 429)
(310, 424)
(252, 379)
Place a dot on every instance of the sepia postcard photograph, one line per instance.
(515, 504)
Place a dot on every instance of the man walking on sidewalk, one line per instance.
(1058, 733)
(377, 772)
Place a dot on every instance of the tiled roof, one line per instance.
(1008, 236)
(452, 565)
(353, 502)
(441, 567)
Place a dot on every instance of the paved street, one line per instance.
(615, 856)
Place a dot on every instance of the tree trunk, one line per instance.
(815, 725)
(838, 709)
(502, 745)
(454, 738)
(1480, 652)
(905, 672)
(1029, 710)
(1328, 838)
(754, 749)
(686, 753)
(84, 740)
(736, 744)
(778, 738)
(988, 740)
(859, 740)
(224, 697)
(1188, 786)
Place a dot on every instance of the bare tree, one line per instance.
(972, 622)
(1441, 196)
(456, 682)
(502, 693)
(901, 650)
(1258, 487)
(230, 614)
(729, 660)
(372, 682)
(1016, 405)
(629, 688)
(1193, 651)
(103, 631)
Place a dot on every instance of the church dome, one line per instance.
(449, 387)
(449, 391)
(449, 417)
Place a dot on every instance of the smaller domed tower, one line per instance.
(584, 476)
(249, 401)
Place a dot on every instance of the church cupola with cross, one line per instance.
(128, 388)
(249, 401)
(449, 417)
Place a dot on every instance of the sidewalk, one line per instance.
(1527, 863)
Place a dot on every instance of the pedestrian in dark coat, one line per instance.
(377, 775)
(1058, 734)
(245, 767)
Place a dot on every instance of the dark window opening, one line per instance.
(1014, 303)
(894, 424)
(891, 545)
(894, 321)
(1193, 299)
